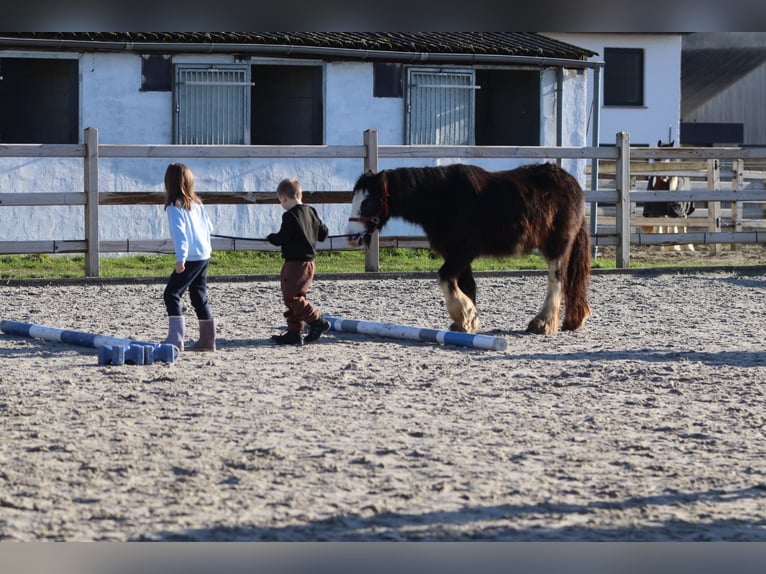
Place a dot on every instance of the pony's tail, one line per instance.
(576, 307)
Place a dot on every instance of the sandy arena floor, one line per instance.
(647, 425)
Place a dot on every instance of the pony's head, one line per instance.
(369, 207)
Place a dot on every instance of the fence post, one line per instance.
(737, 184)
(91, 202)
(714, 207)
(372, 253)
(622, 183)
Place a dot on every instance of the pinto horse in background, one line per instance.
(670, 209)
(467, 211)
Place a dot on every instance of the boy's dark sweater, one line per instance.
(300, 231)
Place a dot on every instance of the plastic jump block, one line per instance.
(137, 354)
(119, 351)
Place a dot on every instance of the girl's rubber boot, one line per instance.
(206, 336)
(176, 329)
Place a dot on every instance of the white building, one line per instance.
(273, 89)
(641, 84)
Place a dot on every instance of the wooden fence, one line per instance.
(619, 168)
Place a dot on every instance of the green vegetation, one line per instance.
(47, 266)
(392, 260)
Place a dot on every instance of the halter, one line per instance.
(383, 212)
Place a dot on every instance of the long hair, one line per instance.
(179, 186)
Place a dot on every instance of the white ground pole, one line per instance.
(396, 331)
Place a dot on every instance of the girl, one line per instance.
(190, 229)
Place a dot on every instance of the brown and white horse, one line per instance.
(467, 211)
(669, 209)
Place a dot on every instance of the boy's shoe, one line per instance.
(317, 329)
(289, 338)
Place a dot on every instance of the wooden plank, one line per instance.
(90, 179)
(668, 221)
(644, 168)
(136, 246)
(531, 153)
(50, 246)
(601, 196)
(623, 203)
(712, 194)
(218, 244)
(343, 197)
(221, 197)
(697, 153)
(698, 238)
(42, 150)
(372, 252)
(44, 198)
(231, 151)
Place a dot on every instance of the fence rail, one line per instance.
(719, 171)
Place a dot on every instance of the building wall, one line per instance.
(112, 102)
(743, 102)
(660, 117)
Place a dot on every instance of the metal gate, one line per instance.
(212, 104)
(440, 107)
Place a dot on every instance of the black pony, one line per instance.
(467, 211)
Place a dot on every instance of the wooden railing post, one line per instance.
(737, 184)
(91, 202)
(622, 182)
(372, 253)
(714, 207)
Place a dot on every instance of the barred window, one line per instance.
(262, 104)
(212, 104)
(440, 106)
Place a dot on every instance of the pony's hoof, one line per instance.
(541, 327)
(572, 326)
(471, 327)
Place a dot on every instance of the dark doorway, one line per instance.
(287, 105)
(39, 101)
(508, 107)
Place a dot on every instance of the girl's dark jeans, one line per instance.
(194, 278)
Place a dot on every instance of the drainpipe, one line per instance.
(595, 143)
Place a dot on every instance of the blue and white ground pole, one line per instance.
(111, 350)
(417, 333)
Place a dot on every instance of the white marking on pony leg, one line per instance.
(546, 322)
(674, 229)
(687, 246)
(460, 308)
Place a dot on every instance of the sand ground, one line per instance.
(647, 425)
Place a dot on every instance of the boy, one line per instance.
(298, 236)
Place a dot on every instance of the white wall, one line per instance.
(662, 86)
(112, 102)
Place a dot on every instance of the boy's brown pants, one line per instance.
(295, 279)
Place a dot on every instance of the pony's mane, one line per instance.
(436, 177)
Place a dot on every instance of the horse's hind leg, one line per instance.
(546, 322)
(460, 296)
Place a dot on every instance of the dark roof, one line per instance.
(484, 43)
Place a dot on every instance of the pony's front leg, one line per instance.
(460, 307)
(546, 322)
